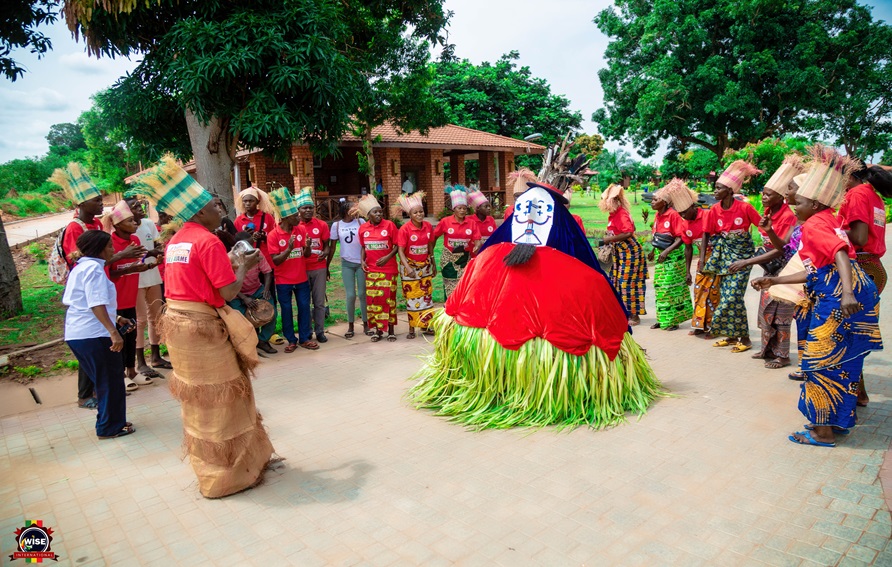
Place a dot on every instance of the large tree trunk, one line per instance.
(213, 157)
(10, 287)
(370, 156)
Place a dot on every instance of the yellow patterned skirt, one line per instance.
(418, 289)
(380, 293)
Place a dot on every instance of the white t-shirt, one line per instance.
(147, 233)
(408, 187)
(347, 234)
(88, 287)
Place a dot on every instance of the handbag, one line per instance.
(771, 267)
(261, 313)
(662, 240)
(605, 253)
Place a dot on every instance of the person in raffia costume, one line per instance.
(534, 334)
(844, 322)
(213, 348)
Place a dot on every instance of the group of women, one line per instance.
(836, 257)
(375, 254)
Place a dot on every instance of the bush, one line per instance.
(69, 364)
(29, 371)
(37, 251)
(444, 213)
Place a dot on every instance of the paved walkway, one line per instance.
(19, 232)
(704, 478)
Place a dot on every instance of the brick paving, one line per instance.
(704, 478)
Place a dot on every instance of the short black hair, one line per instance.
(92, 242)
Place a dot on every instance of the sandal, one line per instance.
(376, 338)
(671, 328)
(89, 403)
(349, 335)
(799, 376)
(164, 365)
(696, 332)
(391, 338)
(410, 335)
(722, 343)
(149, 373)
(655, 326)
(740, 347)
(130, 385)
(309, 345)
(143, 379)
(809, 440)
(127, 430)
(291, 347)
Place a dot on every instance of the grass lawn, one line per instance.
(44, 315)
(595, 220)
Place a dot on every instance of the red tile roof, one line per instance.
(449, 137)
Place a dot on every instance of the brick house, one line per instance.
(421, 158)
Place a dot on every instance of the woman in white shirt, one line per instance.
(91, 334)
(346, 231)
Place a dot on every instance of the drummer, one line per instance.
(257, 285)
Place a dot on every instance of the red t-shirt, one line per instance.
(294, 269)
(822, 238)
(196, 266)
(415, 240)
(262, 221)
(781, 221)
(378, 241)
(457, 233)
(484, 227)
(578, 220)
(72, 232)
(127, 286)
(620, 222)
(862, 203)
(252, 282)
(692, 230)
(318, 233)
(738, 218)
(668, 222)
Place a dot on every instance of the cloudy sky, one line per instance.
(556, 39)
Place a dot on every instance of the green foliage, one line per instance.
(444, 213)
(591, 146)
(271, 73)
(66, 135)
(66, 364)
(724, 73)
(695, 163)
(767, 155)
(29, 205)
(29, 371)
(18, 30)
(43, 318)
(503, 99)
(887, 157)
(613, 166)
(37, 251)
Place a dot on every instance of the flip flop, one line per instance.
(391, 338)
(810, 440)
(91, 403)
(309, 345)
(722, 343)
(164, 365)
(836, 430)
(740, 347)
(150, 373)
(799, 376)
(291, 347)
(127, 430)
(376, 338)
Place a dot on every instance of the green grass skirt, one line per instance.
(475, 381)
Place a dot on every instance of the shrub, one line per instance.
(37, 251)
(69, 364)
(29, 371)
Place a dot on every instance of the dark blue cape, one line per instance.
(566, 237)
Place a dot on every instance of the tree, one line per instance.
(612, 166)
(18, 30)
(693, 163)
(768, 155)
(503, 99)
(109, 156)
(66, 135)
(724, 73)
(588, 145)
(261, 74)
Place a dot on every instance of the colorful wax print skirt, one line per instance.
(629, 274)
(673, 297)
(380, 293)
(452, 266)
(418, 289)
(729, 318)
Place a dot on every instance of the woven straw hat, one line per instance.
(826, 180)
(75, 182)
(304, 198)
(790, 168)
(283, 203)
(263, 203)
(736, 174)
(678, 194)
(458, 198)
(365, 205)
(476, 198)
(172, 190)
(408, 203)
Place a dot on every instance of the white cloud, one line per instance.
(84, 64)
